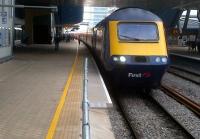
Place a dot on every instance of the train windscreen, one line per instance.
(138, 31)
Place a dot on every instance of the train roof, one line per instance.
(130, 13)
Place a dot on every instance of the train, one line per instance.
(130, 44)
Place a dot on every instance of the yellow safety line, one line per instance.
(55, 119)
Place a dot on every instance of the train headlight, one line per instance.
(122, 59)
(158, 59)
(115, 59)
(164, 60)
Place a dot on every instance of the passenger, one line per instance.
(79, 41)
(67, 37)
(24, 37)
(57, 40)
(198, 41)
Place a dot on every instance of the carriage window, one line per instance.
(138, 32)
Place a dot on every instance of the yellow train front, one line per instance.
(130, 43)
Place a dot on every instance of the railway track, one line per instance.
(144, 117)
(185, 67)
(149, 117)
(172, 92)
(185, 74)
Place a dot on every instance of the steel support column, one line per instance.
(186, 21)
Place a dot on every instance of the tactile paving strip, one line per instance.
(69, 125)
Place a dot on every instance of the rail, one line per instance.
(191, 76)
(85, 104)
(195, 107)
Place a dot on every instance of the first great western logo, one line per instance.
(139, 75)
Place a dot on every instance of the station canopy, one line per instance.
(168, 10)
(147, 4)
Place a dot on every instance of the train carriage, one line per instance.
(130, 43)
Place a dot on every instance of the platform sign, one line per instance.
(6, 23)
(4, 36)
(4, 19)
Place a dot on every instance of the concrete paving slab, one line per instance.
(30, 87)
(97, 92)
(69, 125)
(100, 124)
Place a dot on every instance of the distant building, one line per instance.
(94, 15)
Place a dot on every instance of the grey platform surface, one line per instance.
(100, 101)
(69, 125)
(30, 87)
(97, 92)
(184, 51)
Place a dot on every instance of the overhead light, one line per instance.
(17, 28)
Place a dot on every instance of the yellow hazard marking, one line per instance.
(55, 119)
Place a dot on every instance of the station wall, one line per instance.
(35, 18)
(6, 18)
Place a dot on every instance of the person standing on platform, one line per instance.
(79, 41)
(57, 40)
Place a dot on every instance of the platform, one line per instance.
(183, 51)
(34, 83)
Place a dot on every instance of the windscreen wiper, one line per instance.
(127, 37)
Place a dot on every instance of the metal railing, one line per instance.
(85, 105)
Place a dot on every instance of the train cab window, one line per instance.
(138, 32)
